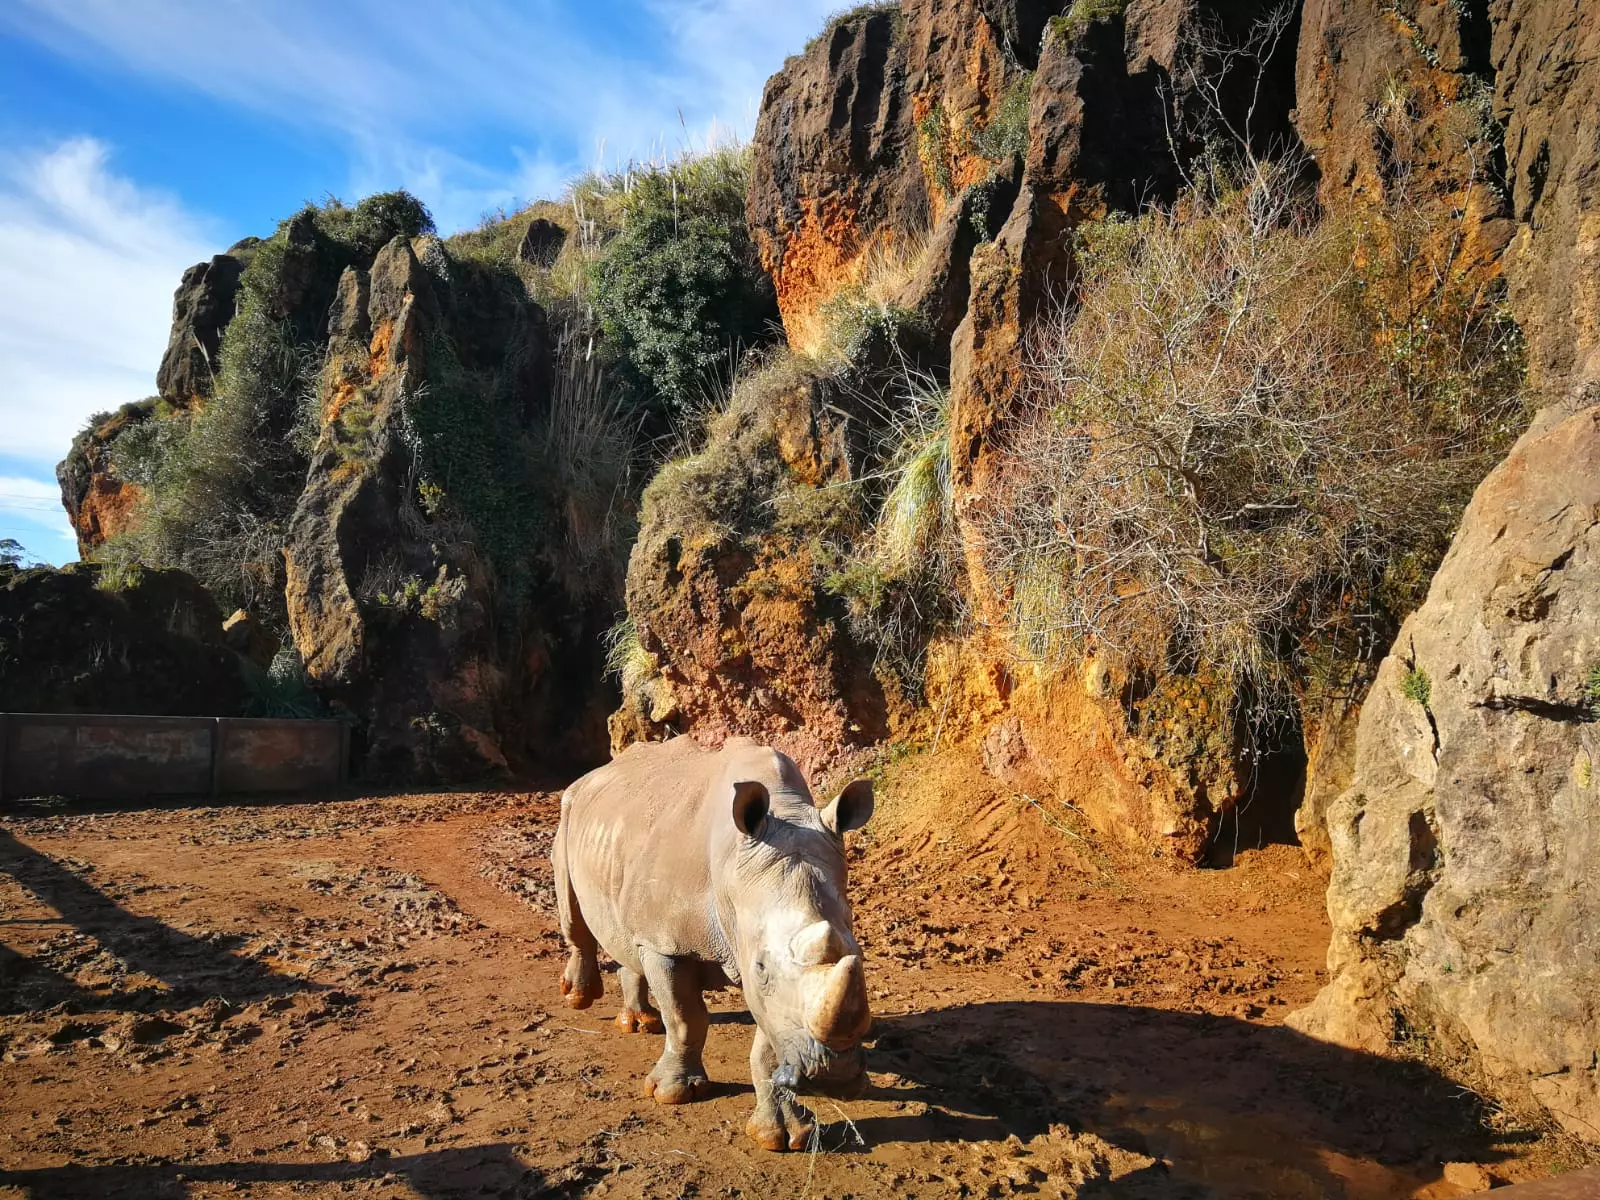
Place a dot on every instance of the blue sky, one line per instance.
(139, 136)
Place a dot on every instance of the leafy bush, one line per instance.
(1591, 692)
(1248, 422)
(678, 288)
(1006, 132)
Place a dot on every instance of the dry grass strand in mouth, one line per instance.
(1249, 410)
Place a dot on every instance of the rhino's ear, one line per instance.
(850, 809)
(750, 804)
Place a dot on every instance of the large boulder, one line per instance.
(739, 636)
(87, 639)
(1464, 897)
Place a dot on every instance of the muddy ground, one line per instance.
(360, 997)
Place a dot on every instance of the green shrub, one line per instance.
(1083, 14)
(1591, 692)
(1416, 686)
(678, 289)
(935, 149)
(1006, 132)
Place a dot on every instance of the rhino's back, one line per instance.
(636, 840)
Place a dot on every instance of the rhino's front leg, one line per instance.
(679, 1075)
(779, 1122)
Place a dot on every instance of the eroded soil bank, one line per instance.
(360, 997)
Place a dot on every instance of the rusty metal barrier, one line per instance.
(92, 756)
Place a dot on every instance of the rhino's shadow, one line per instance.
(1212, 1098)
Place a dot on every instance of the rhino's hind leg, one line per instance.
(638, 1015)
(679, 1076)
(779, 1122)
(580, 981)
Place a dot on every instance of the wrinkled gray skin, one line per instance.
(696, 869)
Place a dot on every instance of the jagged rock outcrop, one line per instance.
(99, 502)
(392, 607)
(866, 138)
(1524, 71)
(80, 640)
(201, 309)
(1465, 899)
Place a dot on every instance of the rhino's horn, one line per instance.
(838, 1015)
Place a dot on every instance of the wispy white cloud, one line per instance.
(88, 264)
(472, 107)
(408, 82)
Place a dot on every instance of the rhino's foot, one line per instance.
(580, 982)
(631, 1021)
(676, 1085)
(781, 1123)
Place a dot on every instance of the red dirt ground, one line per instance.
(360, 997)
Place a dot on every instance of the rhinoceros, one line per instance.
(696, 869)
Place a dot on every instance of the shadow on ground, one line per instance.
(492, 1170)
(191, 968)
(1227, 1107)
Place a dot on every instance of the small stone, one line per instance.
(1467, 1176)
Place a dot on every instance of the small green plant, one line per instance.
(1006, 132)
(854, 323)
(1416, 686)
(1083, 14)
(934, 147)
(627, 661)
(1591, 691)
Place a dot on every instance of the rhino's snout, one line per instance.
(813, 1068)
(836, 1010)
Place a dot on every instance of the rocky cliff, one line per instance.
(951, 148)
